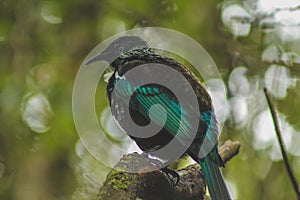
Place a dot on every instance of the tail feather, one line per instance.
(214, 179)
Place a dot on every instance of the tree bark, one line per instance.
(123, 185)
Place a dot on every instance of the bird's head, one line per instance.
(119, 46)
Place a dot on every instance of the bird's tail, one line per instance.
(214, 179)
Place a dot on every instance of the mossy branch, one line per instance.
(157, 185)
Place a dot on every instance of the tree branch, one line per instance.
(281, 144)
(156, 184)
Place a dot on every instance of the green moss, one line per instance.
(120, 181)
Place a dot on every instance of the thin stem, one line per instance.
(282, 146)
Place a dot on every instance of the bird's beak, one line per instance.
(101, 56)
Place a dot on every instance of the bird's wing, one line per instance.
(148, 96)
(143, 98)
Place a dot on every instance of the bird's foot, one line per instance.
(173, 175)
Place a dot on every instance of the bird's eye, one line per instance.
(116, 46)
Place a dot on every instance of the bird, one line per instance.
(129, 52)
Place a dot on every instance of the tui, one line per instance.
(128, 52)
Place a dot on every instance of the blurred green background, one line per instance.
(255, 44)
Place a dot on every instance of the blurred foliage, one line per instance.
(43, 43)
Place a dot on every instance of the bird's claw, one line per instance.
(172, 175)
